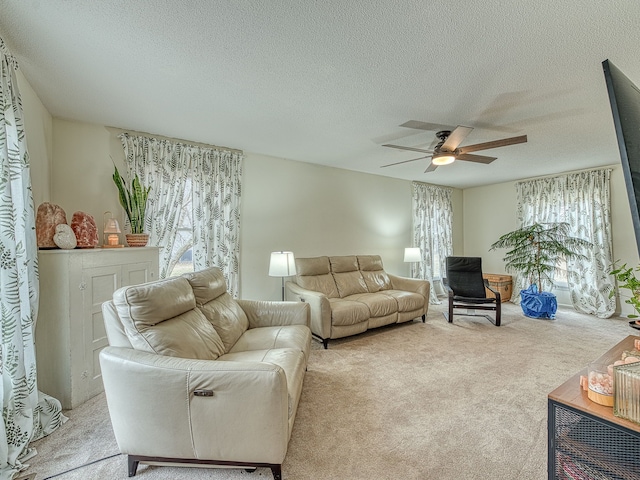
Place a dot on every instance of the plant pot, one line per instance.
(536, 304)
(137, 239)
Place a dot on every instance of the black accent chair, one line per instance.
(466, 289)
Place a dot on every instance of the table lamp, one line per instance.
(282, 264)
(412, 254)
(111, 231)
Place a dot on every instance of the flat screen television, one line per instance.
(624, 98)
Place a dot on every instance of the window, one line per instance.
(182, 252)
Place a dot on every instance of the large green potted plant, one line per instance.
(133, 198)
(534, 251)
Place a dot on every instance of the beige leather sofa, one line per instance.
(350, 294)
(193, 376)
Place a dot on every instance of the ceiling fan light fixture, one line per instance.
(443, 159)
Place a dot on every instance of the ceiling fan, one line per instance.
(448, 150)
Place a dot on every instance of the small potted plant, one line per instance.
(534, 251)
(133, 199)
(627, 279)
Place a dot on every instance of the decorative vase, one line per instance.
(137, 239)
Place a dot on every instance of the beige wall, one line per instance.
(38, 126)
(313, 210)
(490, 212)
(81, 177)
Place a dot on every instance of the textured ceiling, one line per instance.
(330, 81)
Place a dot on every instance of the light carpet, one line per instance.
(430, 400)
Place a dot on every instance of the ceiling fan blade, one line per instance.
(413, 149)
(494, 144)
(474, 158)
(424, 125)
(431, 168)
(455, 138)
(404, 161)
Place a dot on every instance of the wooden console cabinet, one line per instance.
(70, 330)
(585, 439)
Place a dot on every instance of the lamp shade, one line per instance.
(282, 264)
(111, 226)
(412, 254)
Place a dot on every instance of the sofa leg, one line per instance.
(325, 342)
(277, 472)
(133, 465)
(424, 318)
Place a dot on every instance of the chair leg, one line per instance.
(498, 313)
(450, 311)
(276, 470)
(133, 465)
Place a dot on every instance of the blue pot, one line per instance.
(538, 305)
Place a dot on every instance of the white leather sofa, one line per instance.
(193, 376)
(351, 294)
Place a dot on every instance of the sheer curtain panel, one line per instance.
(201, 182)
(432, 233)
(583, 201)
(26, 413)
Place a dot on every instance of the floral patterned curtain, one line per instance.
(213, 177)
(217, 178)
(583, 200)
(432, 233)
(164, 166)
(26, 413)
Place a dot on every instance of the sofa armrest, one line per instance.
(154, 411)
(320, 308)
(270, 314)
(416, 285)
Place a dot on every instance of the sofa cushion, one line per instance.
(407, 301)
(370, 263)
(162, 318)
(347, 312)
(344, 263)
(347, 276)
(291, 360)
(379, 304)
(350, 283)
(224, 313)
(284, 336)
(315, 274)
(207, 284)
(373, 273)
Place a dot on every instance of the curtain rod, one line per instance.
(177, 140)
(553, 175)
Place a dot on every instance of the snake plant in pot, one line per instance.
(534, 251)
(133, 198)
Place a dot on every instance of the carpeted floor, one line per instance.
(416, 401)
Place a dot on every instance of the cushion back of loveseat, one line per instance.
(342, 275)
(347, 276)
(373, 273)
(222, 311)
(161, 317)
(315, 274)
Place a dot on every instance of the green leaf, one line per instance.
(133, 200)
